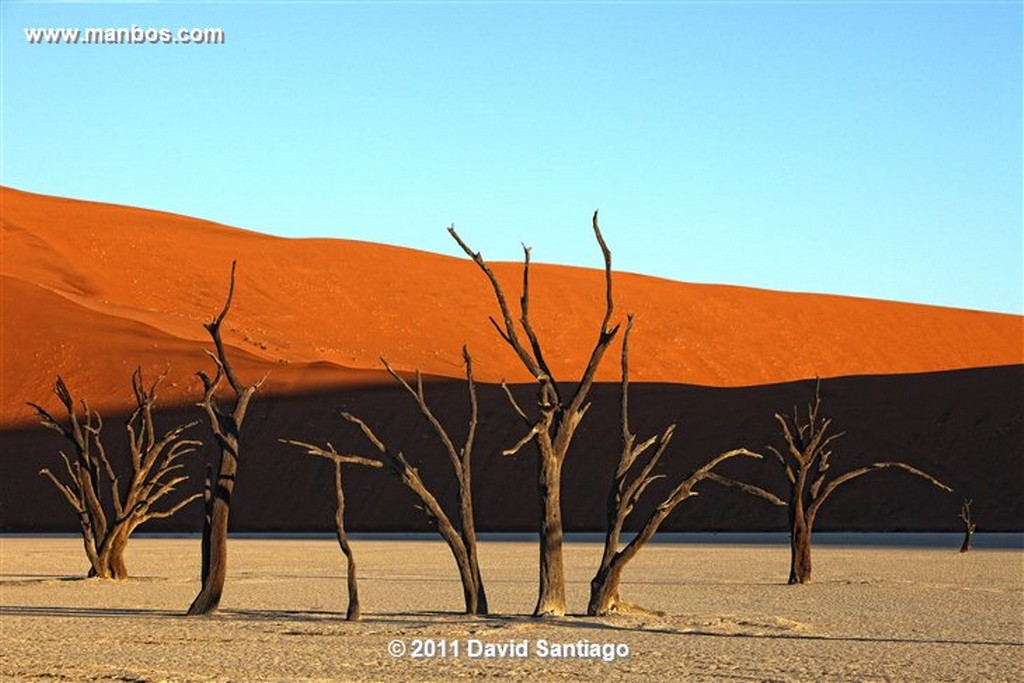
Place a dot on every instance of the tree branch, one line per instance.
(782, 461)
(173, 510)
(63, 488)
(213, 327)
(685, 488)
(474, 409)
(524, 320)
(605, 336)
(537, 429)
(421, 402)
(330, 454)
(377, 443)
(509, 335)
(746, 488)
(853, 474)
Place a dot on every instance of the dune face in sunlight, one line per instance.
(90, 290)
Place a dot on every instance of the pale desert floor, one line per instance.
(873, 614)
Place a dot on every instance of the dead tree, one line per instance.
(969, 525)
(806, 460)
(632, 477)
(462, 539)
(552, 428)
(226, 425)
(353, 611)
(109, 511)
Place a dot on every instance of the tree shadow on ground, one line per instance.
(430, 619)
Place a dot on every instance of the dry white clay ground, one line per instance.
(873, 614)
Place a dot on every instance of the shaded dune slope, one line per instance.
(964, 426)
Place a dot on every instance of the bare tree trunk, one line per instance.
(109, 562)
(968, 538)
(799, 532)
(969, 525)
(91, 553)
(118, 569)
(470, 590)
(115, 555)
(551, 596)
(353, 612)
(226, 426)
(216, 571)
(100, 568)
(410, 477)
(800, 552)
(604, 589)
(207, 522)
(479, 603)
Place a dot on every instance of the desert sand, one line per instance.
(873, 614)
(90, 290)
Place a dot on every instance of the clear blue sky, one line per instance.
(870, 149)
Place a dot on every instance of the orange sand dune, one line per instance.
(90, 290)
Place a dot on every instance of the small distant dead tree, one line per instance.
(353, 612)
(806, 461)
(462, 539)
(226, 425)
(628, 485)
(108, 510)
(557, 418)
(969, 525)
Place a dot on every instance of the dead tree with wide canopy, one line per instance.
(110, 505)
(553, 426)
(806, 458)
(633, 475)
(226, 425)
(461, 538)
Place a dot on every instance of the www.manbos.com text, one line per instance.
(125, 35)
